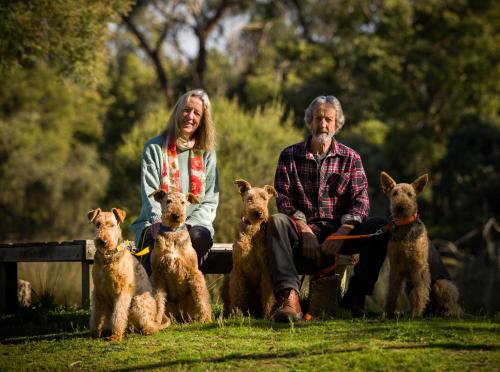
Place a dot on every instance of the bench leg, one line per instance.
(8, 287)
(85, 285)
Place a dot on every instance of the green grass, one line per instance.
(59, 340)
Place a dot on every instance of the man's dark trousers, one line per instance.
(286, 259)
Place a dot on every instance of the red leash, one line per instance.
(329, 269)
(382, 230)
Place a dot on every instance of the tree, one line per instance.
(67, 35)
(469, 186)
(249, 146)
(51, 173)
(156, 24)
(51, 66)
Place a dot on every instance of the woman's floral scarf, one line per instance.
(170, 174)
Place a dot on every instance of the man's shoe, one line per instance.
(288, 307)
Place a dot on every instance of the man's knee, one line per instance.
(377, 222)
(278, 222)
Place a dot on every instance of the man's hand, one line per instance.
(332, 247)
(310, 245)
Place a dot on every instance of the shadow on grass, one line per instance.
(442, 324)
(302, 353)
(42, 324)
(51, 337)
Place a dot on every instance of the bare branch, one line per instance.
(211, 22)
(142, 40)
(202, 30)
(467, 236)
(153, 54)
(302, 20)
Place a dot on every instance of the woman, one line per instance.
(181, 159)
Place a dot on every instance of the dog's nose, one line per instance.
(400, 209)
(257, 214)
(102, 241)
(174, 217)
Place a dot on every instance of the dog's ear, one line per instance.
(119, 214)
(270, 190)
(158, 195)
(387, 182)
(243, 185)
(419, 183)
(91, 215)
(192, 198)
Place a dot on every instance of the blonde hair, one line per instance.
(204, 135)
(333, 101)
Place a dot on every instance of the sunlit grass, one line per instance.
(59, 339)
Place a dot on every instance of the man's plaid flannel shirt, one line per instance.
(335, 192)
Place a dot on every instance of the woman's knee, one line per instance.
(200, 238)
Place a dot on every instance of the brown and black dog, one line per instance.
(410, 256)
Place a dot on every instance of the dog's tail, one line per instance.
(446, 294)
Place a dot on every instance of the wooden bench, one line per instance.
(219, 261)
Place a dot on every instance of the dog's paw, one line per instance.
(165, 322)
(115, 337)
(149, 330)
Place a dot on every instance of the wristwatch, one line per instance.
(298, 215)
(349, 219)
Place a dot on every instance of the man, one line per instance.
(322, 190)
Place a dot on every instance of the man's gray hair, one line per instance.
(339, 113)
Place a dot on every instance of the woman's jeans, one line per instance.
(200, 239)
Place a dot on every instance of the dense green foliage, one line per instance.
(48, 158)
(249, 145)
(67, 35)
(60, 340)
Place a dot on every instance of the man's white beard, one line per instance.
(323, 138)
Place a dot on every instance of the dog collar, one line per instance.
(247, 221)
(164, 228)
(180, 228)
(405, 221)
(125, 245)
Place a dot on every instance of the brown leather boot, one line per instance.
(288, 307)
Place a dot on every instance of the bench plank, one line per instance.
(42, 252)
(218, 261)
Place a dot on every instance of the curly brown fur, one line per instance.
(445, 297)
(24, 293)
(122, 294)
(249, 287)
(408, 251)
(181, 291)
